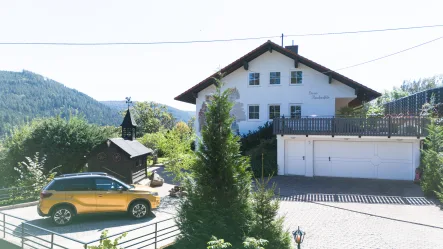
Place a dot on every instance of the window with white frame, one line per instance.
(296, 77)
(254, 112)
(295, 111)
(254, 79)
(274, 78)
(274, 111)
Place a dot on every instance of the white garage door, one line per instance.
(381, 160)
(295, 157)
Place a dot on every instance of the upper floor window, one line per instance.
(254, 79)
(295, 111)
(274, 78)
(254, 112)
(296, 77)
(274, 111)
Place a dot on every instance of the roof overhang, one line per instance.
(363, 93)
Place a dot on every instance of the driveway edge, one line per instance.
(26, 204)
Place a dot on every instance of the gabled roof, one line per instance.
(363, 92)
(132, 147)
(128, 121)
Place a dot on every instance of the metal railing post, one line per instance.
(52, 240)
(4, 226)
(23, 235)
(155, 242)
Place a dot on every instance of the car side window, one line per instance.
(105, 184)
(80, 184)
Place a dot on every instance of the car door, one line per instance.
(111, 195)
(80, 192)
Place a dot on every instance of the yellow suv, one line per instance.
(72, 194)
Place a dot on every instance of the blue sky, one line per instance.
(161, 72)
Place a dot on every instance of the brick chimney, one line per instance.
(293, 48)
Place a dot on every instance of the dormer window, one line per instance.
(254, 79)
(296, 77)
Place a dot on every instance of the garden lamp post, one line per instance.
(299, 236)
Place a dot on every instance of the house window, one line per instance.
(295, 111)
(296, 77)
(274, 111)
(274, 78)
(254, 79)
(254, 112)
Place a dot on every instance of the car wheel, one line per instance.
(139, 210)
(62, 215)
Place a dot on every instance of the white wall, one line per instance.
(309, 148)
(283, 94)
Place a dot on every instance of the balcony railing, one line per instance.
(352, 126)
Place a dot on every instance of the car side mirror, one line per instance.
(121, 189)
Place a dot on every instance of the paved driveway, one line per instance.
(360, 213)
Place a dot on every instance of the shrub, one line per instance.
(253, 138)
(106, 243)
(264, 153)
(432, 160)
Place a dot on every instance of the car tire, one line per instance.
(139, 210)
(62, 215)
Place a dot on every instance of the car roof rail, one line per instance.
(83, 174)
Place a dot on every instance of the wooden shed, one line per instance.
(124, 158)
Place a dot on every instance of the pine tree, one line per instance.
(219, 186)
(266, 224)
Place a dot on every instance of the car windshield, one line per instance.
(124, 184)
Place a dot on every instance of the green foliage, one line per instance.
(266, 224)
(32, 177)
(252, 243)
(258, 142)
(64, 142)
(415, 86)
(154, 141)
(218, 201)
(267, 148)
(432, 160)
(215, 243)
(106, 243)
(151, 117)
(29, 95)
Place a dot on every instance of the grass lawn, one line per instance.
(160, 160)
(6, 245)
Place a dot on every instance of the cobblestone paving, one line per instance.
(330, 223)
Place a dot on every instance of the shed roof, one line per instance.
(132, 147)
(364, 93)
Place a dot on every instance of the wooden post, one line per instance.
(333, 126)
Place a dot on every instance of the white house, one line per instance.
(301, 97)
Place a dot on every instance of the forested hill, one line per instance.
(26, 95)
(180, 115)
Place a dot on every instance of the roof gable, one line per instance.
(128, 121)
(363, 93)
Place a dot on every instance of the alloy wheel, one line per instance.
(139, 210)
(62, 216)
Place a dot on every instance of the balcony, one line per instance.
(352, 126)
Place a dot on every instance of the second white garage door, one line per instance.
(379, 160)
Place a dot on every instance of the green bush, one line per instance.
(432, 160)
(267, 149)
(106, 243)
(64, 142)
(253, 138)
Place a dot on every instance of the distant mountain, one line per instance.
(180, 115)
(26, 95)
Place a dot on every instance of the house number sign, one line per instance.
(315, 95)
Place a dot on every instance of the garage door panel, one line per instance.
(395, 171)
(352, 169)
(363, 159)
(395, 151)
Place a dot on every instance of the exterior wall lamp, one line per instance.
(299, 236)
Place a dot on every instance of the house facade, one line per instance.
(301, 98)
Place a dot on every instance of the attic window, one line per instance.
(254, 79)
(274, 78)
(296, 77)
